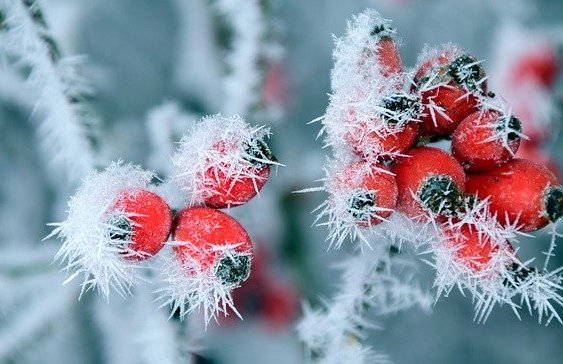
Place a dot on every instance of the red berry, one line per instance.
(486, 139)
(523, 191)
(369, 193)
(449, 83)
(142, 217)
(434, 177)
(386, 51)
(473, 248)
(389, 57)
(204, 234)
(385, 142)
(233, 190)
(444, 108)
(540, 65)
(280, 305)
(226, 189)
(391, 131)
(274, 87)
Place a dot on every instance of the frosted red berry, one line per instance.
(226, 189)
(202, 234)
(141, 217)
(387, 52)
(370, 192)
(392, 131)
(431, 176)
(389, 57)
(521, 190)
(486, 139)
(472, 248)
(540, 66)
(449, 84)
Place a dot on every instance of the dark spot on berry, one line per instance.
(121, 229)
(553, 203)
(441, 195)
(467, 72)
(361, 205)
(232, 270)
(519, 275)
(257, 152)
(400, 107)
(512, 126)
(378, 29)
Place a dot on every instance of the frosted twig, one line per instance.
(35, 316)
(243, 75)
(63, 129)
(165, 125)
(334, 332)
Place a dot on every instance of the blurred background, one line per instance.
(159, 65)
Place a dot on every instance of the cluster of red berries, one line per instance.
(146, 219)
(448, 99)
(132, 222)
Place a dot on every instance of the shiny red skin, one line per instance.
(365, 144)
(540, 66)
(202, 227)
(151, 218)
(233, 190)
(515, 188)
(473, 250)
(389, 57)
(471, 147)
(456, 102)
(413, 170)
(383, 184)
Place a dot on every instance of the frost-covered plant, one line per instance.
(384, 185)
(64, 128)
(91, 239)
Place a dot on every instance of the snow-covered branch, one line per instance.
(63, 129)
(334, 333)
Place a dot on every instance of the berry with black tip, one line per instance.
(486, 139)
(522, 192)
(369, 192)
(225, 189)
(139, 223)
(214, 241)
(473, 248)
(450, 84)
(392, 131)
(387, 52)
(429, 179)
(518, 275)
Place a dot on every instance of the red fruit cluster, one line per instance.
(210, 238)
(141, 221)
(448, 99)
